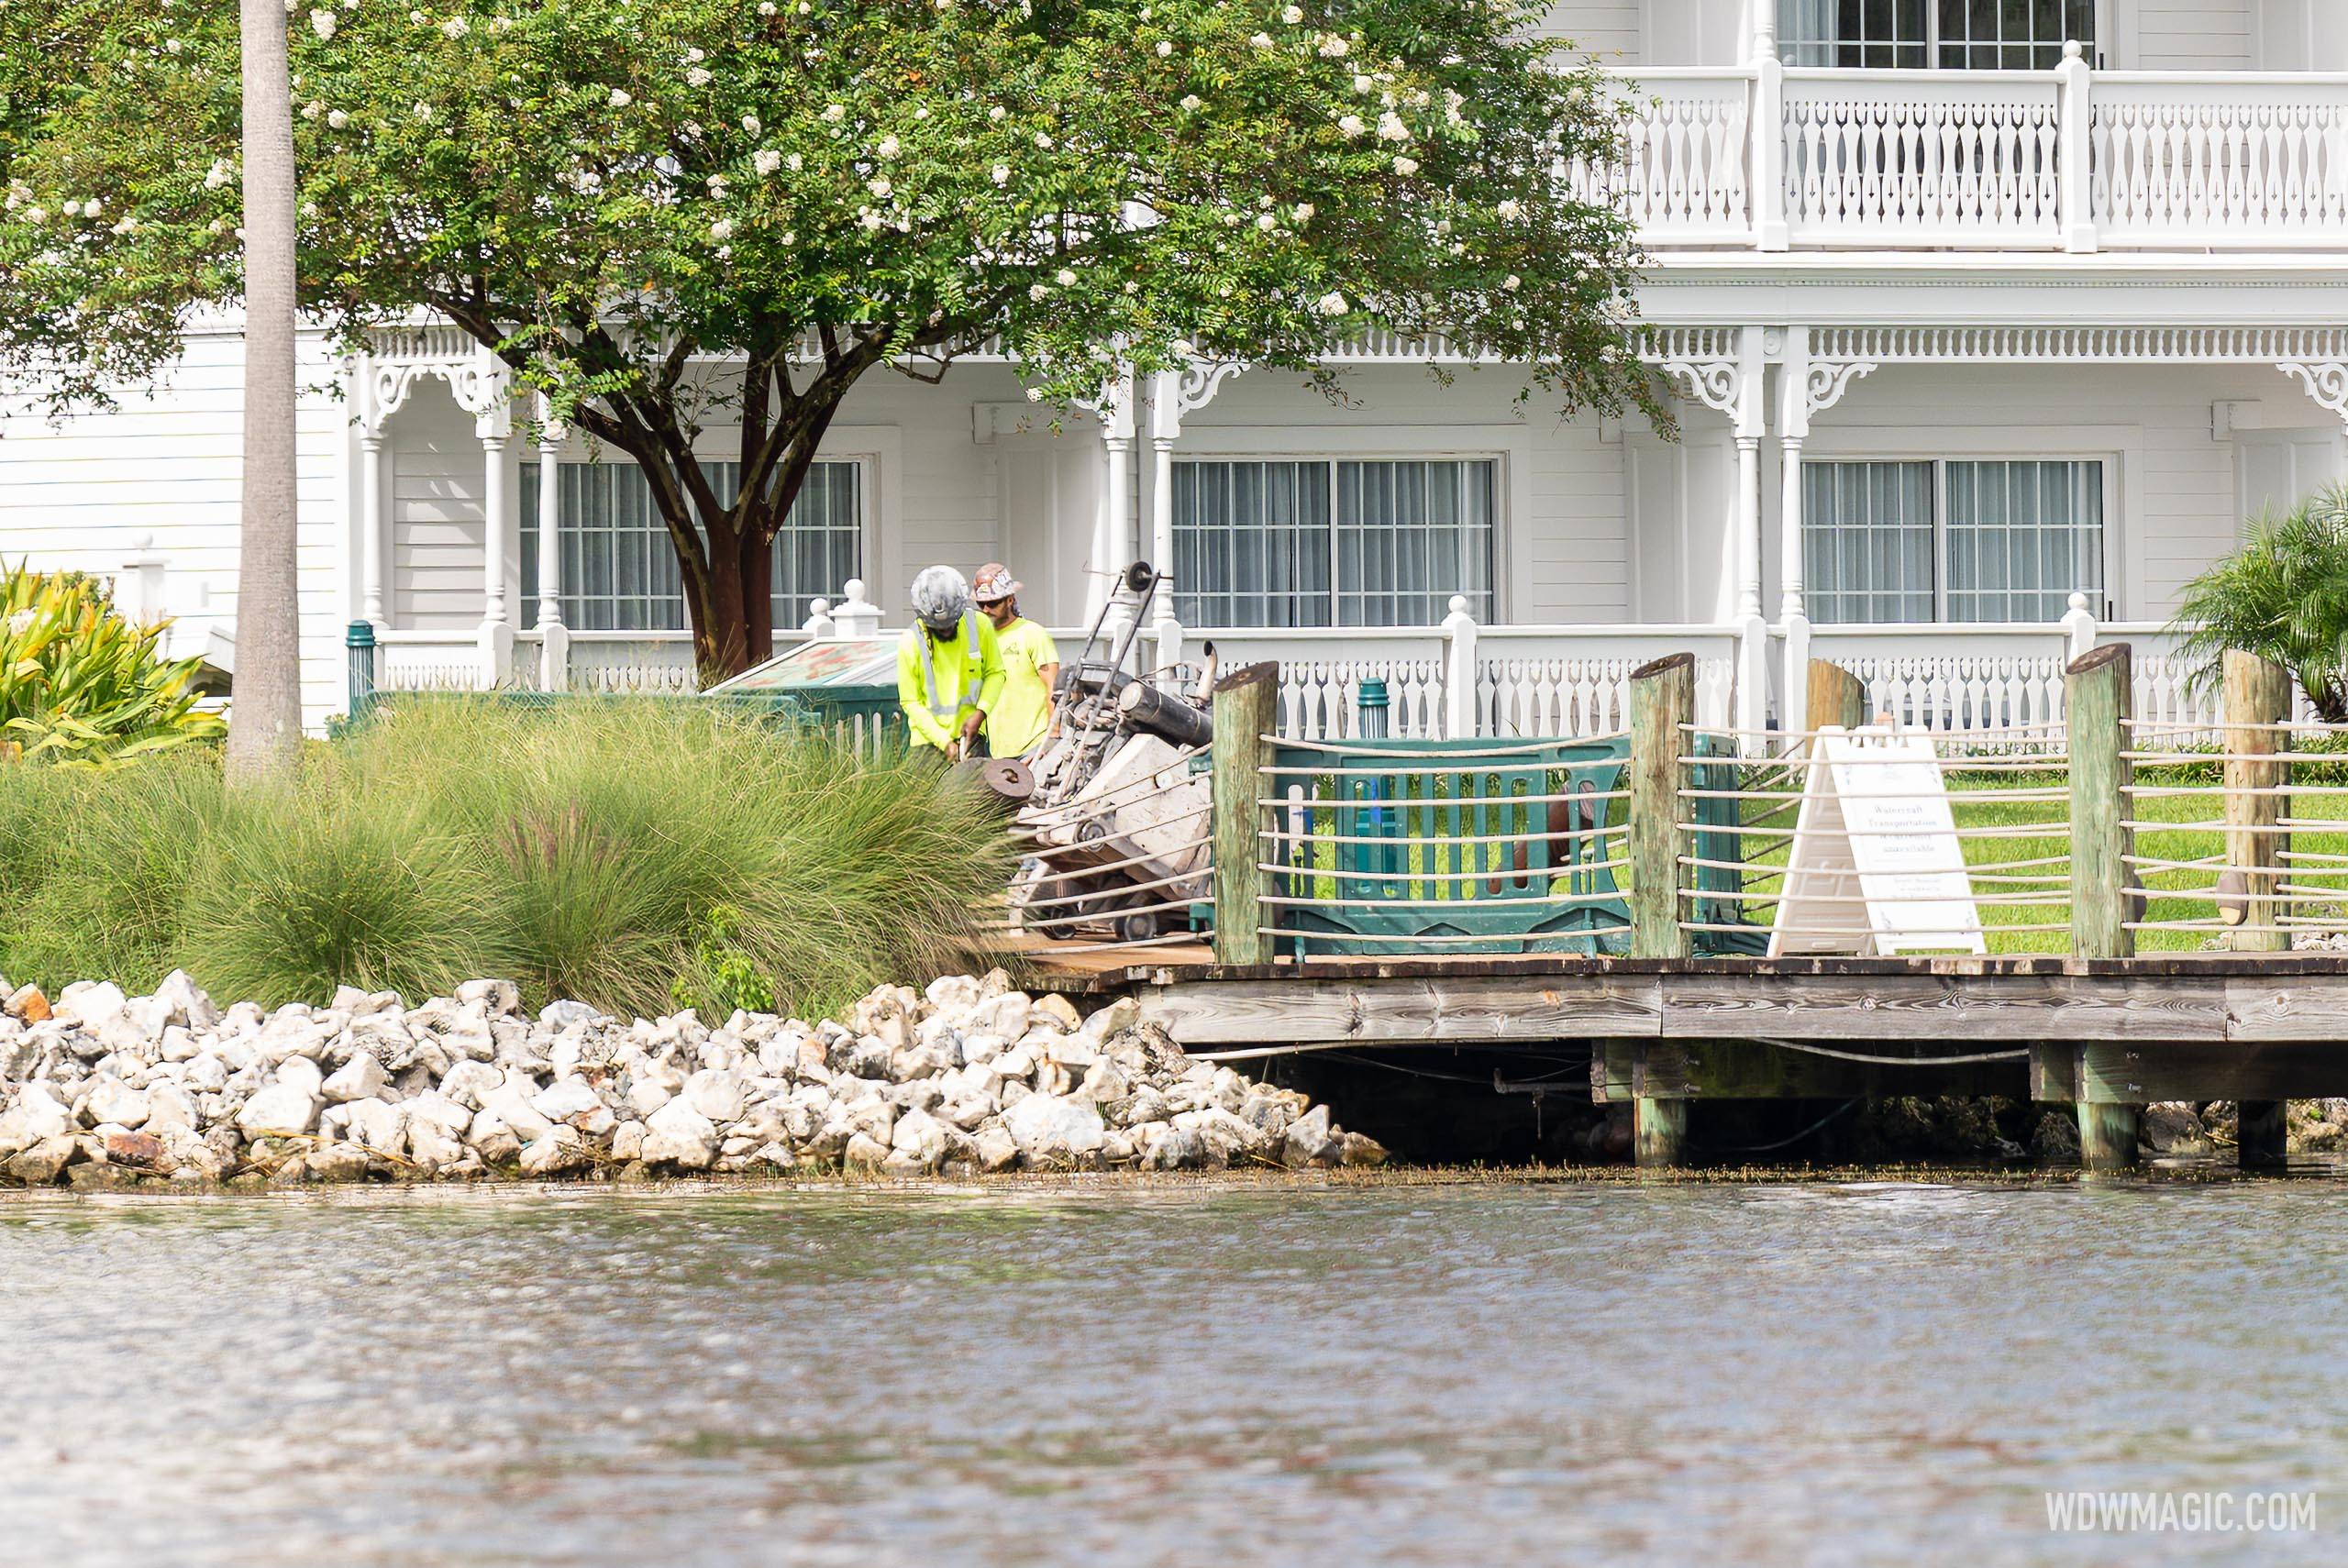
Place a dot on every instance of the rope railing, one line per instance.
(2097, 837)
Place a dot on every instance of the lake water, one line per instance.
(1200, 1374)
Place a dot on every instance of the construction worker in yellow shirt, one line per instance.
(949, 670)
(1022, 718)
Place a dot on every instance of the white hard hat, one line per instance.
(941, 598)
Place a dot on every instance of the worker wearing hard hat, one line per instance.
(1022, 718)
(949, 669)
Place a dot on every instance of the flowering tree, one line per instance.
(672, 216)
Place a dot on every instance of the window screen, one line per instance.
(2000, 539)
(1324, 543)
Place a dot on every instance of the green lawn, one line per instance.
(2021, 857)
(2013, 822)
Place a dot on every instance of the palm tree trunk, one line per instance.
(265, 712)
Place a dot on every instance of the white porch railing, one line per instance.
(1576, 680)
(1460, 678)
(2003, 676)
(1770, 156)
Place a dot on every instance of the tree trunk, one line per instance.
(721, 621)
(265, 711)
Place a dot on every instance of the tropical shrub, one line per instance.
(636, 853)
(2283, 595)
(78, 683)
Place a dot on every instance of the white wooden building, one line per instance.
(1990, 323)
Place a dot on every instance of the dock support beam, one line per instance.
(1659, 1132)
(2263, 1137)
(1247, 709)
(2096, 700)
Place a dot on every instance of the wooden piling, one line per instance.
(1659, 1132)
(1836, 696)
(2096, 699)
(2257, 697)
(1247, 709)
(2261, 1134)
(1663, 700)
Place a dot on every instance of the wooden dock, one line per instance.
(2108, 1036)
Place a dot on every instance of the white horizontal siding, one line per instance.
(2192, 35)
(1609, 28)
(1564, 553)
(167, 464)
(438, 481)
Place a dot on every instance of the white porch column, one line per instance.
(1793, 613)
(1113, 543)
(1752, 632)
(1165, 426)
(554, 637)
(371, 526)
(494, 426)
(376, 390)
(1172, 394)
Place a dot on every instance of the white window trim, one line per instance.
(2107, 44)
(1509, 447)
(2120, 447)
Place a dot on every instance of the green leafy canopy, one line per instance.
(616, 193)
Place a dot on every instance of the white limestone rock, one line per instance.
(112, 1100)
(282, 1107)
(1054, 1130)
(677, 1134)
(716, 1093)
(559, 1150)
(361, 1078)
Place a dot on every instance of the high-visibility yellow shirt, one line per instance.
(940, 679)
(1018, 719)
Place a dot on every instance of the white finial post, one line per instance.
(2074, 114)
(1766, 125)
(2078, 627)
(139, 586)
(819, 621)
(1459, 671)
(856, 616)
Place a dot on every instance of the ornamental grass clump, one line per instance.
(638, 853)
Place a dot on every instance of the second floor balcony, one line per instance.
(1765, 158)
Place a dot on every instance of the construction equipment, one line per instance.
(1116, 826)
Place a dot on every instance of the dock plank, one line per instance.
(1429, 1010)
(2008, 1008)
